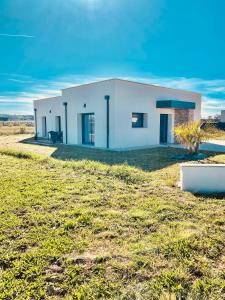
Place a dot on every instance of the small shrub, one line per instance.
(207, 289)
(179, 249)
(22, 130)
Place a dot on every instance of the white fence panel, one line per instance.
(203, 178)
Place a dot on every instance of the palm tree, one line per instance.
(191, 135)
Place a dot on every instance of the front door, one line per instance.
(44, 127)
(58, 123)
(163, 128)
(88, 129)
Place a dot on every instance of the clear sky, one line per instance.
(46, 45)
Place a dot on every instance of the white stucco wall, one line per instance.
(49, 108)
(93, 96)
(135, 97)
(203, 178)
(125, 98)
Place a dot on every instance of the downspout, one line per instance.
(107, 98)
(35, 123)
(65, 105)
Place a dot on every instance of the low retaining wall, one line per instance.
(203, 178)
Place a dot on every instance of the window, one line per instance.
(138, 120)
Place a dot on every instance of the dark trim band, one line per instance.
(176, 104)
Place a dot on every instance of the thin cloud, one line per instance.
(16, 76)
(17, 35)
(211, 103)
(19, 81)
(213, 94)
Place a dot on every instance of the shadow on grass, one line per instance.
(210, 196)
(145, 159)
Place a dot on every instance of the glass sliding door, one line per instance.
(88, 129)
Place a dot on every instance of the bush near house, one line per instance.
(191, 135)
(87, 230)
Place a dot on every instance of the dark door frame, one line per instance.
(44, 130)
(107, 98)
(66, 122)
(163, 128)
(58, 123)
(84, 142)
(35, 123)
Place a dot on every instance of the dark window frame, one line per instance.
(140, 120)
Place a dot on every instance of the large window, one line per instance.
(138, 120)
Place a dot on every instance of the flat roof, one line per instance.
(49, 98)
(135, 82)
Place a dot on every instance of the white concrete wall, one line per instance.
(125, 98)
(135, 97)
(49, 108)
(203, 178)
(223, 116)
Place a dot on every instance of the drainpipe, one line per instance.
(107, 98)
(35, 123)
(65, 105)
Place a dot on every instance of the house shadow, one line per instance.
(148, 159)
(210, 196)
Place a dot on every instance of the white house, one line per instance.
(116, 114)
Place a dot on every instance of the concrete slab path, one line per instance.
(212, 145)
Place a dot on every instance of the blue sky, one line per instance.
(47, 45)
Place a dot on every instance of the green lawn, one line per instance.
(88, 230)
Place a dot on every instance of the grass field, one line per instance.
(91, 230)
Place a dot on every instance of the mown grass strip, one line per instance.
(87, 230)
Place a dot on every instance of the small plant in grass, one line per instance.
(191, 135)
(22, 130)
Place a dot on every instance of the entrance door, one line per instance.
(58, 123)
(88, 129)
(163, 128)
(44, 127)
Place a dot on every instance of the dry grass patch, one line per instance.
(12, 130)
